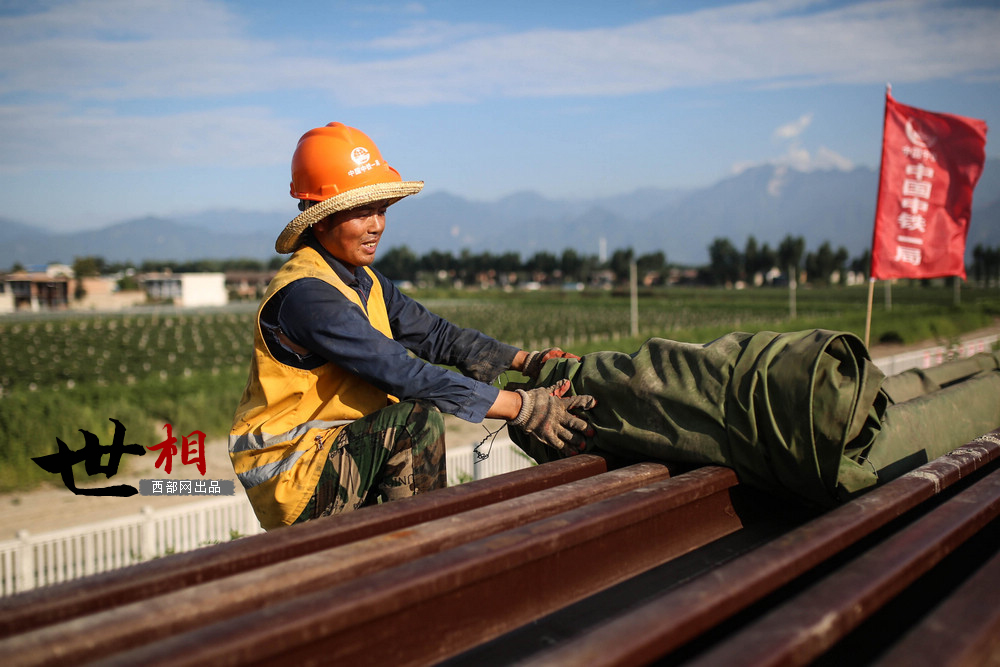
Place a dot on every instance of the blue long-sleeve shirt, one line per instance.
(314, 315)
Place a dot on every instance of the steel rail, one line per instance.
(963, 631)
(60, 602)
(434, 607)
(800, 630)
(145, 620)
(424, 580)
(678, 616)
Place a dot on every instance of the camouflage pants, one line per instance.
(390, 454)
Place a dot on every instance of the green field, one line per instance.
(66, 372)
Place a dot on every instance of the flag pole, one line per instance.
(871, 278)
(868, 317)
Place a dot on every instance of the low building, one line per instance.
(187, 290)
(38, 289)
(6, 297)
(102, 293)
(249, 285)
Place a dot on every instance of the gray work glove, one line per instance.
(535, 360)
(545, 414)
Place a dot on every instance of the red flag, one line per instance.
(930, 164)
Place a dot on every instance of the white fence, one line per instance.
(31, 561)
(933, 356)
(503, 456)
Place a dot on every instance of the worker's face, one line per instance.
(352, 236)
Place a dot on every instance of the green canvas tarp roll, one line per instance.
(797, 414)
(931, 425)
(919, 381)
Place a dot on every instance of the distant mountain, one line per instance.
(766, 202)
(20, 243)
(235, 221)
(135, 240)
(985, 226)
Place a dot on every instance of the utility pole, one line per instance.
(793, 280)
(633, 279)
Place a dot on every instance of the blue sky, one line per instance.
(114, 109)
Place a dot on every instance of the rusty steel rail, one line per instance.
(447, 576)
(64, 601)
(800, 630)
(678, 616)
(432, 607)
(139, 622)
(964, 630)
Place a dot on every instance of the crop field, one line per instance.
(62, 373)
(59, 354)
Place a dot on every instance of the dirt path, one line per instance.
(53, 507)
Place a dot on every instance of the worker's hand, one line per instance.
(535, 360)
(545, 413)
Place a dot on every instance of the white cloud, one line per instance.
(120, 20)
(800, 159)
(758, 43)
(795, 128)
(47, 137)
(827, 158)
(88, 65)
(427, 34)
(795, 155)
(127, 50)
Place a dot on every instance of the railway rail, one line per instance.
(577, 562)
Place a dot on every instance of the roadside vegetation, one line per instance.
(60, 374)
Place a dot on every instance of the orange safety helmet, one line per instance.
(331, 159)
(341, 168)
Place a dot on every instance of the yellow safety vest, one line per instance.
(288, 417)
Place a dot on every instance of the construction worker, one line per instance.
(343, 402)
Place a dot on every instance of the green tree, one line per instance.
(542, 262)
(620, 262)
(725, 262)
(86, 267)
(654, 263)
(751, 259)
(821, 264)
(509, 262)
(790, 252)
(399, 263)
(437, 260)
(576, 267)
(862, 263)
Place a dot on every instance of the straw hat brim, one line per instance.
(291, 238)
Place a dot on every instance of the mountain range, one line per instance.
(766, 202)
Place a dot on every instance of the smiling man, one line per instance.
(344, 399)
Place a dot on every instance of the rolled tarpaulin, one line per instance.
(788, 412)
(916, 382)
(803, 415)
(929, 426)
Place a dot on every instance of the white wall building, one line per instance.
(6, 298)
(188, 289)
